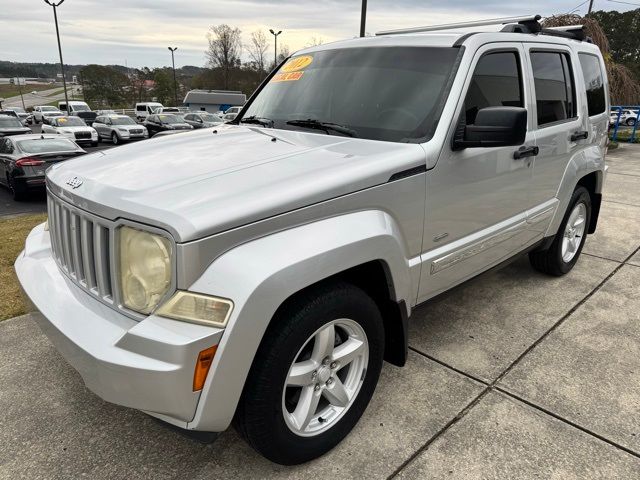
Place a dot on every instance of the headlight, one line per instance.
(145, 269)
(197, 308)
(123, 130)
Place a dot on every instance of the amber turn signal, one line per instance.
(205, 358)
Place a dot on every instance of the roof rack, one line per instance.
(524, 20)
(524, 24)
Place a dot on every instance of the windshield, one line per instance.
(48, 109)
(17, 109)
(380, 93)
(122, 121)
(8, 122)
(45, 145)
(70, 122)
(170, 119)
(80, 108)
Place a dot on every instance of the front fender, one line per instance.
(260, 275)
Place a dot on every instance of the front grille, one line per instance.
(83, 135)
(135, 132)
(82, 247)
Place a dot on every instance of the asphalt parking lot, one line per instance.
(511, 375)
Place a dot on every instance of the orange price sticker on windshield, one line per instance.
(287, 77)
(297, 63)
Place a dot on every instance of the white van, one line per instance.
(144, 109)
(78, 109)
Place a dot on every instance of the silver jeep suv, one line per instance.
(262, 271)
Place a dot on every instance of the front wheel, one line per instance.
(567, 245)
(115, 139)
(313, 375)
(631, 122)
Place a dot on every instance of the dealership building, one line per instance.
(213, 100)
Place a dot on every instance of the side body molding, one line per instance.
(259, 275)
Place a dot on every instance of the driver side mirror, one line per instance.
(493, 127)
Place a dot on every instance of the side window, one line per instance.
(140, 108)
(3, 144)
(554, 87)
(496, 82)
(592, 73)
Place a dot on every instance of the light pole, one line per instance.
(175, 84)
(363, 17)
(590, 7)
(55, 16)
(275, 52)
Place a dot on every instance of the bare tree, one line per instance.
(225, 48)
(284, 53)
(257, 50)
(314, 42)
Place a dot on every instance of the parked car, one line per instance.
(166, 110)
(21, 113)
(165, 121)
(144, 109)
(263, 273)
(627, 117)
(119, 128)
(202, 119)
(24, 159)
(42, 114)
(10, 125)
(78, 109)
(231, 113)
(73, 128)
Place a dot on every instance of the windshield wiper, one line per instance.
(264, 121)
(326, 126)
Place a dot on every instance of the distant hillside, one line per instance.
(50, 70)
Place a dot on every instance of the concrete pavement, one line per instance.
(511, 375)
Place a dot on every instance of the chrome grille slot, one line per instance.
(82, 248)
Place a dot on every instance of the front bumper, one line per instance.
(147, 365)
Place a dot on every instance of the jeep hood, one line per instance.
(200, 183)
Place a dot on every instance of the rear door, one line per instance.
(561, 131)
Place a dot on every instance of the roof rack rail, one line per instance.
(526, 21)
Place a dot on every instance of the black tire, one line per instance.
(19, 193)
(259, 417)
(95, 144)
(99, 138)
(631, 122)
(114, 138)
(550, 261)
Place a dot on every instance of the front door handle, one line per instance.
(523, 152)
(581, 135)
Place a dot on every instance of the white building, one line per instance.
(213, 100)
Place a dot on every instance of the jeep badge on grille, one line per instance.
(74, 182)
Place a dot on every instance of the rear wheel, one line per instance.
(567, 245)
(313, 375)
(18, 191)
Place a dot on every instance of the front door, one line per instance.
(477, 198)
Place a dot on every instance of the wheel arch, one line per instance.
(364, 248)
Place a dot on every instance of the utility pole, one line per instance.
(275, 51)
(590, 7)
(20, 90)
(55, 17)
(363, 18)
(175, 83)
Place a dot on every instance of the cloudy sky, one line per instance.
(139, 31)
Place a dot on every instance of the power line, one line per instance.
(626, 3)
(576, 8)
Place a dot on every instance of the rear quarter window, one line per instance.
(594, 83)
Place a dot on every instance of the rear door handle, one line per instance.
(523, 152)
(581, 135)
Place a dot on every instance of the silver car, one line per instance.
(118, 129)
(262, 271)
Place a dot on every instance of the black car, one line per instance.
(202, 119)
(163, 122)
(11, 125)
(24, 159)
